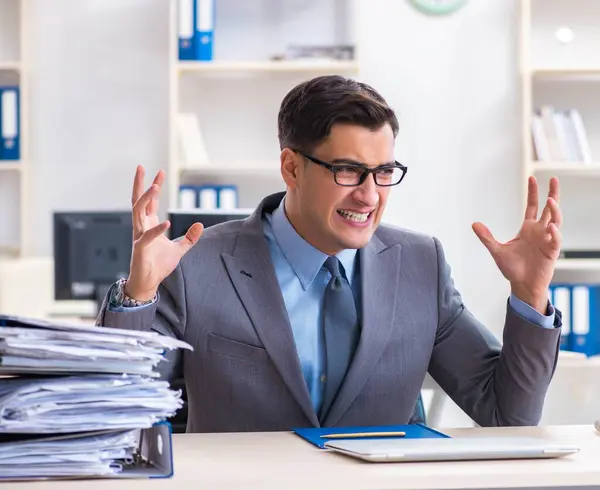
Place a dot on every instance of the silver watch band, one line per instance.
(121, 299)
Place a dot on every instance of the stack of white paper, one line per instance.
(97, 454)
(84, 403)
(36, 346)
(73, 399)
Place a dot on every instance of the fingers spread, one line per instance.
(532, 199)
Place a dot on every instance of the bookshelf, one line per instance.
(235, 96)
(565, 73)
(560, 79)
(10, 65)
(578, 265)
(10, 167)
(14, 174)
(315, 67)
(567, 168)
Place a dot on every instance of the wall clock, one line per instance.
(438, 7)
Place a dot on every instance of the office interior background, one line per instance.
(486, 96)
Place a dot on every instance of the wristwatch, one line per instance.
(119, 298)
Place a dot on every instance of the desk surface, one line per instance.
(283, 461)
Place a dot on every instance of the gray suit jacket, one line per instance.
(244, 373)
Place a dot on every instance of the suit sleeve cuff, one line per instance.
(117, 309)
(531, 315)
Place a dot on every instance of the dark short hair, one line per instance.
(308, 112)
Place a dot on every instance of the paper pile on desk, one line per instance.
(98, 454)
(74, 398)
(84, 403)
(36, 346)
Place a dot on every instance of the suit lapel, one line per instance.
(253, 276)
(379, 270)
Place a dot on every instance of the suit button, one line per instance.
(323, 378)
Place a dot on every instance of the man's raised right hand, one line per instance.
(154, 255)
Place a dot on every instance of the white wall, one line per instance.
(99, 87)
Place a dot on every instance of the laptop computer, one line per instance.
(451, 449)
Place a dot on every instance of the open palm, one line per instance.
(154, 256)
(527, 261)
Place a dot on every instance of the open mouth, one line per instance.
(353, 216)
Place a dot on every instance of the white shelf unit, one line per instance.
(267, 66)
(578, 265)
(567, 73)
(567, 168)
(10, 65)
(14, 175)
(560, 68)
(236, 96)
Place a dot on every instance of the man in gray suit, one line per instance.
(312, 313)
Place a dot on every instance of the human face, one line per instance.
(333, 217)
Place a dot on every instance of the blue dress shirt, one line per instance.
(302, 278)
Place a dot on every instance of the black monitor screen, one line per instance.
(92, 250)
(181, 220)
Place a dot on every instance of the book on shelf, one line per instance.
(195, 23)
(208, 197)
(311, 52)
(559, 136)
(579, 304)
(10, 141)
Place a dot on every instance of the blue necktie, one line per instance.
(341, 331)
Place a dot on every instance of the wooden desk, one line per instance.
(283, 461)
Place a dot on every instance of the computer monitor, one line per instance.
(92, 250)
(181, 220)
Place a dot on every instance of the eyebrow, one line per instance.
(349, 161)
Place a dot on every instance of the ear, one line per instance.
(290, 167)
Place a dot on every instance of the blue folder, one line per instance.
(10, 139)
(204, 29)
(186, 29)
(413, 431)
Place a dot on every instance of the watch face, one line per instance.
(438, 7)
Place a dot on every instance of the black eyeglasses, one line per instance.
(354, 174)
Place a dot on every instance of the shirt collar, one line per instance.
(305, 260)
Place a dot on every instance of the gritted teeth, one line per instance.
(352, 216)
